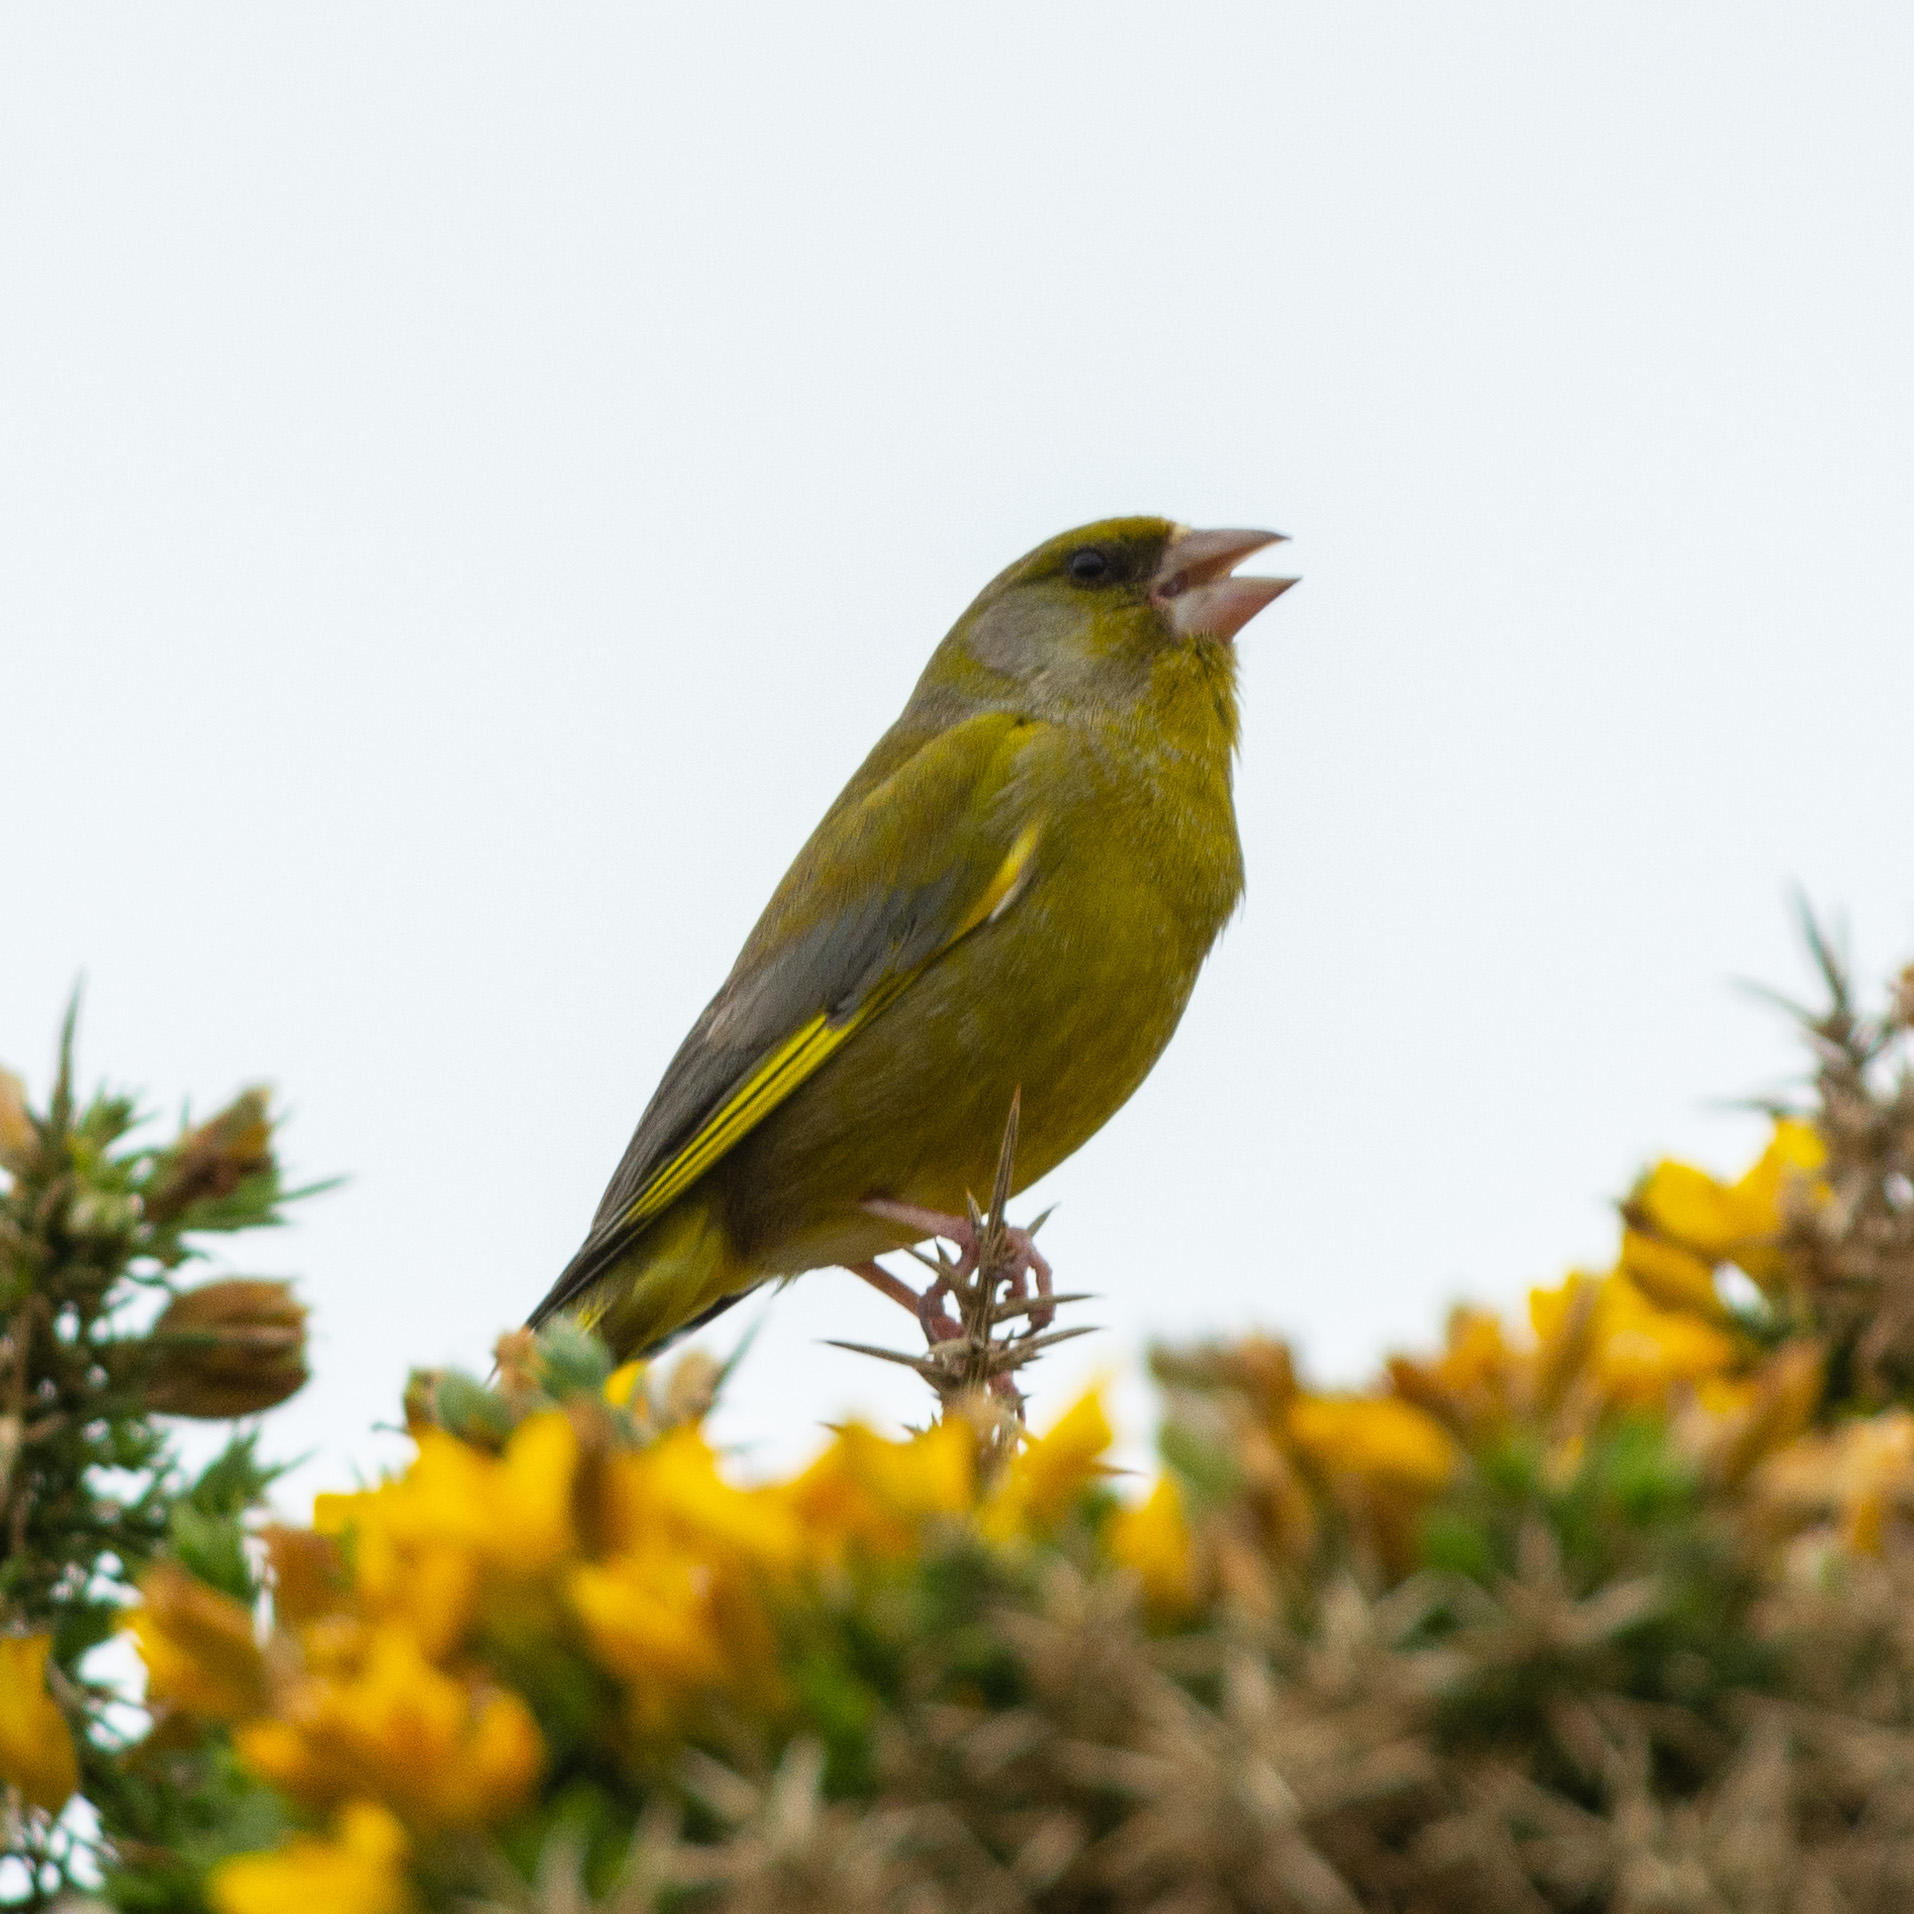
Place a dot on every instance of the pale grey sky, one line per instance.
(474, 481)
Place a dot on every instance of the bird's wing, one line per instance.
(890, 880)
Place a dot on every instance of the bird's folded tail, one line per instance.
(646, 1289)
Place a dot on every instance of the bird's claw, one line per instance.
(1019, 1260)
(938, 1324)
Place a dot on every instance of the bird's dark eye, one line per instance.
(1088, 565)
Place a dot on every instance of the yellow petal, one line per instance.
(277, 1752)
(372, 1832)
(1674, 1277)
(1688, 1206)
(360, 1871)
(1795, 1150)
(1722, 1222)
(198, 1646)
(334, 1513)
(404, 1715)
(439, 1749)
(683, 1483)
(532, 1520)
(645, 1618)
(36, 1745)
(924, 1475)
(864, 1493)
(622, 1384)
(502, 1761)
(1154, 1541)
(437, 1594)
(1641, 1352)
(1380, 1438)
(1048, 1475)
(449, 1493)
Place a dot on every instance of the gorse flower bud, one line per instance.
(102, 1217)
(19, 1139)
(229, 1348)
(213, 1159)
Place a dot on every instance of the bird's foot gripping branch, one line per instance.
(1000, 1288)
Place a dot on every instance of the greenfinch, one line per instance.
(1012, 895)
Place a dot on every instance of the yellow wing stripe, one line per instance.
(801, 1053)
(1001, 892)
(749, 1104)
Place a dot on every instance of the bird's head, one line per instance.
(1096, 616)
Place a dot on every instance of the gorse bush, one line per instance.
(1602, 1609)
(97, 1334)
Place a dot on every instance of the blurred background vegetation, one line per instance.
(1604, 1609)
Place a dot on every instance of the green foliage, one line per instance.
(94, 1226)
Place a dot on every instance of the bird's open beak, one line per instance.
(1196, 592)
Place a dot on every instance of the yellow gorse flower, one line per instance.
(36, 1745)
(867, 1496)
(1673, 1277)
(513, 1511)
(1734, 1222)
(442, 1751)
(622, 1384)
(1048, 1473)
(1153, 1540)
(649, 1616)
(675, 1486)
(199, 1647)
(425, 1544)
(1380, 1439)
(359, 1870)
(1641, 1349)
(673, 1603)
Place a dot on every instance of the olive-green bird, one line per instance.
(1015, 891)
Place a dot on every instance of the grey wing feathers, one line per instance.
(784, 978)
(831, 968)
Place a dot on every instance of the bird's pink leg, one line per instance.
(1026, 1260)
(938, 1324)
